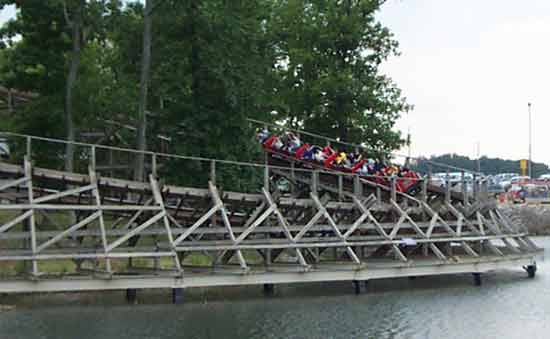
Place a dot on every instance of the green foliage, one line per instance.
(37, 41)
(311, 63)
(329, 53)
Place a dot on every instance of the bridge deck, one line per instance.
(224, 276)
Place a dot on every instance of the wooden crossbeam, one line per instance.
(15, 221)
(15, 183)
(68, 231)
(63, 194)
(135, 231)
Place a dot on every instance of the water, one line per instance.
(508, 305)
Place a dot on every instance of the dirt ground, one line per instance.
(535, 217)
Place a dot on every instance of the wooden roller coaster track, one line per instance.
(113, 233)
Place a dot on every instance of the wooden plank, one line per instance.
(62, 194)
(197, 224)
(135, 231)
(15, 221)
(15, 183)
(68, 231)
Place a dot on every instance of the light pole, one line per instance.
(478, 146)
(530, 141)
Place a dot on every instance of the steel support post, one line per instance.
(464, 189)
(475, 188)
(178, 296)
(29, 148)
(131, 295)
(477, 279)
(357, 287)
(269, 289)
(447, 190)
(154, 170)
(393, 181)
(213, 172)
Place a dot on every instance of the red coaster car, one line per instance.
(408, 182)
(300, 151)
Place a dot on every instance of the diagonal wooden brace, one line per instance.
(284, 225)
(218, 201)
(68, 231)
(337, 231)
(160, 202)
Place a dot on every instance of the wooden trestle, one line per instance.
(123, 234)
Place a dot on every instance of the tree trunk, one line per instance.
(76, 27)
(141, 138)
(195, 58)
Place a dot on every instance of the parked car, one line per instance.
(4, 149)
(516, 181)
(454, 177)
(503, 179)
(437, 181)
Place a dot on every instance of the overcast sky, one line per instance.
(470, 67)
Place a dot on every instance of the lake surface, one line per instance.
(507, 305)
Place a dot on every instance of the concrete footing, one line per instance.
(131, 295)
(357, 286)
(477, 279)
(269, 289)
(177, 296)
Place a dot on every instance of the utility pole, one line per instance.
(530, 143)
(478, 157)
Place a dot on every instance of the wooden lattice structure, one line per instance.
(115, 233)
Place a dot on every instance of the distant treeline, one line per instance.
(487, 165)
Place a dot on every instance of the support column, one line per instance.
(531, 270)
(357, 286)
(269, 289)
(177, 296)
(131, 295)
(32, 221)
(477, 279)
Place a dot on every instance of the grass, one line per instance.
(58, 221)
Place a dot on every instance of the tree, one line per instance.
(67, 65)
(141, 140)
(75, 23)
(329, 53)
(210, 71)
(312, 63)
